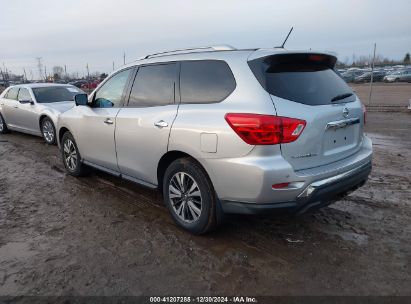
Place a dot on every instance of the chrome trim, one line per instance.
(161, 124)
(342, 123)
(310, 188)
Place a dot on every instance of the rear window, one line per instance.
(55, 94)
(304, 78)
(154, 85)
(206, 81)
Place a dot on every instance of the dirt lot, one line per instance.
(389, 94)
(103, 236)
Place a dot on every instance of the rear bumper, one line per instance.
(316, 195)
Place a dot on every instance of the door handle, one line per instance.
(161, 124)
(16, 107)
(108, 121)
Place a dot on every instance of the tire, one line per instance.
(71, 156)
(3, 126)
(48, 131)
(197, 209)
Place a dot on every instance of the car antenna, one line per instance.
(286, 38)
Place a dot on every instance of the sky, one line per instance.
(96, 32)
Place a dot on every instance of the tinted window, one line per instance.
(303, 78)
(154, 85)
(55, 94)
(109, 95)
(24, 94)
(205, 81)
(12, 93)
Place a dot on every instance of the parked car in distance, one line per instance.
(220, 130)
(404, 76)
(78, 83)
(90, 85)
(349, 76)
(366, 77)
(34, 108)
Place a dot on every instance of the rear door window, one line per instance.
(154, 85)
(304, 78)
(206, 81)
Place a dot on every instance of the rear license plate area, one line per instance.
(339, 140)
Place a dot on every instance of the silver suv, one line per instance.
(220, 130)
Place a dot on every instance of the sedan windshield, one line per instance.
(55, 94)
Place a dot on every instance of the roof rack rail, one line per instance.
(224, 47)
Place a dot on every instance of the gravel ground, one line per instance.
(100, 235)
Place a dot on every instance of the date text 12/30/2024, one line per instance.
(238, 299)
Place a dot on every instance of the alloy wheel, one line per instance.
(70, 154)
(1, 124)
(185, 197)
(48, 131)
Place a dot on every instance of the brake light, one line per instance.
(257, 129)
(280, 186)
(316, 57)
(364, 111)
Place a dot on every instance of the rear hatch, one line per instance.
(305, 86)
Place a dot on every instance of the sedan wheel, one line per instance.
(185, 197)
(3, 126)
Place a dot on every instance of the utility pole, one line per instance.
(45, 72)
(65, 71)
(2, 75)
(25, 75)
(124, 58)
(113, 65)
(39, 67)
(88, 72)
(88, 77)
(372, 74)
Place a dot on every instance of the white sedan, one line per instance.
(34, 108)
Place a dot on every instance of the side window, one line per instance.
(154, 85)
(207, 81)
(12, 93)
(24, 94)
(109, 95)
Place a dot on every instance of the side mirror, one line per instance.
(26, 101)
(81, 99)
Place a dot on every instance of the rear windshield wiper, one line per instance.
(342, 96)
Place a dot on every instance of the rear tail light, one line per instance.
(280, 186)
(364, 111)
(257, 129)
